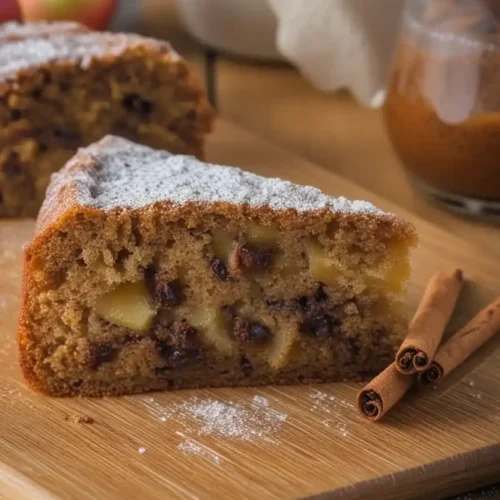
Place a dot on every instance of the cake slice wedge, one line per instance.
(152, 271)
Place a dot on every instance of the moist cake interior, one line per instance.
(167, 295)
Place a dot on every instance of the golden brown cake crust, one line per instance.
(62, 87)
(73, 190)
(115, 182)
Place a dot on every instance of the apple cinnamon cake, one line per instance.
(153, 271)
(62, 87)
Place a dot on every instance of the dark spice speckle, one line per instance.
(321, 325)
(219, 269)
(253, 258)
(15, 114)
(172, 293)
(12, 165)
(101, 353)
(250, 331)
(246, 366)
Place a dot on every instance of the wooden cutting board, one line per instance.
(276, 442)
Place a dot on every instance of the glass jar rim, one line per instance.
(412, 18)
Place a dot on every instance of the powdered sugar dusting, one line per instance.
(131, 175)
(17, 396)
(192, 447)
(82, 48)
(471, 390)
(486, 493)
(261, 401)
(14, 30)
(157, 410)
(334, 408)
(243, 421)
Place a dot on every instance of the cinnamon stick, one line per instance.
(383, 392)
(463, 343)
(427, 327)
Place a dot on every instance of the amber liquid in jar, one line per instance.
(443, 105)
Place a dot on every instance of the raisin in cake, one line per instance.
(153, 271)
(62, 87)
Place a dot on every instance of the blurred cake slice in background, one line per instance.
(62, 87)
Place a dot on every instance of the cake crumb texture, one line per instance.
(153, 271)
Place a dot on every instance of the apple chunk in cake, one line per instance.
(156, 271)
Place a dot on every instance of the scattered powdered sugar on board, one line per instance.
(240, 421)
(155, 409)
(261, 400)
(16, 395)
(471, 391)
(192, 447)
(243, 421)
(486, 493)
(334, 408)
(8, 348)
(142, 450)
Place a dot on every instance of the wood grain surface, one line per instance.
(432, 444)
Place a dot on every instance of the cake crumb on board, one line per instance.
(80, 419)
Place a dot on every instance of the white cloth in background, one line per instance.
(340, 43)
(335, 43)
(240, 27)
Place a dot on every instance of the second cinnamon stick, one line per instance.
(465, 342)
(383, 392)
(427, 327)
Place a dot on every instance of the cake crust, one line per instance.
(119, 181)
(182, 184)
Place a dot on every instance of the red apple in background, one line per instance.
(96, 14)
(9, 11)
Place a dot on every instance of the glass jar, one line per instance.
(443, 104)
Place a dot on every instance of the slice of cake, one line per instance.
(157, 271)
(62, 87)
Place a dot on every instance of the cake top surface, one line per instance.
(13, 30)
(24, 53)
(117, 173)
